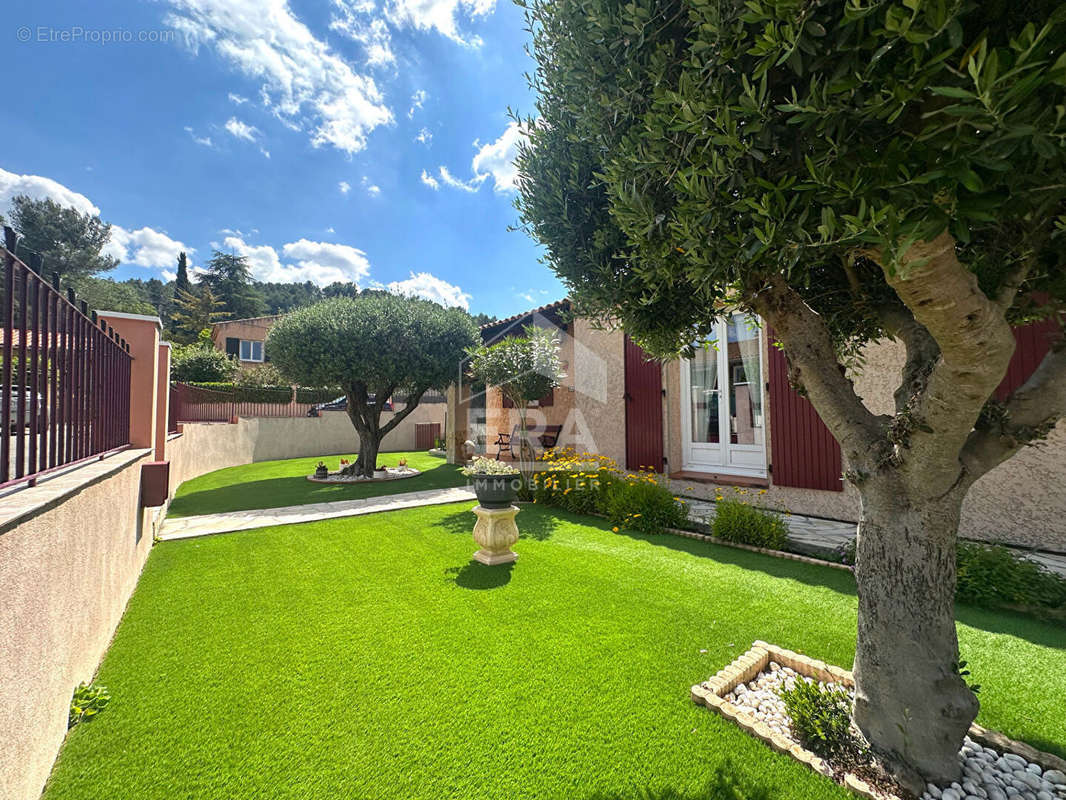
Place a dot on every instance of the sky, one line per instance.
(362, 140)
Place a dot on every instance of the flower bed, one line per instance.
(391, 474)
(746, 691)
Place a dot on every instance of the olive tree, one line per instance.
(373, 346)
(849, 170)
(525, 368)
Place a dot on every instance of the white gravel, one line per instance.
(987, 774)
(391, 473)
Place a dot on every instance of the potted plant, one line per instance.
(321, 471)
(495, 482)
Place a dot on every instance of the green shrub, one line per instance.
(736, 521)
(821, 717)
(644, 503)
(580, 489)
(88, 701)
(265, 374)
(323, 395)
(994, 576)
(202, 362)
(244, 394)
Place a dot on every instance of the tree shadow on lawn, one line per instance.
(297, 490)
(725, 784)
(537, 525)
(1036, 631)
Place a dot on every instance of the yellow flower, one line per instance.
(762, 491)
(615, 529)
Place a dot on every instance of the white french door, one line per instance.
(723, 410)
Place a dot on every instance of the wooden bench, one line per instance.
(545, 439)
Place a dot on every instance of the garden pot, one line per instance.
(495, 491)
(321, 472)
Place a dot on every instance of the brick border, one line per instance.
(711, 693)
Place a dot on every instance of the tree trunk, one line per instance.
(910, 702)
(368, 454)
(369, 438)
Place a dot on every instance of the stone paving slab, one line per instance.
(822, 537)
(230, 521)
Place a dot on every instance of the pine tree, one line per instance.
(195, 311)
(230, 278)
(182, 282)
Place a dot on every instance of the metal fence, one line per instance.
(65, 377)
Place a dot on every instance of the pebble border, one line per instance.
(711, 693)
(387, 477)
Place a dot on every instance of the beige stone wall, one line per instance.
(66, 574)
(599, 387)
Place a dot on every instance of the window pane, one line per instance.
(703, 400)
(246, 350)
(745, 381)
(257, 351)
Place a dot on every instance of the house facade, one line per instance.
(728, 417)
(244, 339)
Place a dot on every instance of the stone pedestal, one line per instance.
(495, 531)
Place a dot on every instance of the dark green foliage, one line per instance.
(323, 395)
(238, 393)
(67, 242)
(230, 279)
(88, 701)
(995, 576)
(265, 374)
(736, 521)
(200, 362)
(181, 280)
(821, 717)
(105, 294)
(644, 503)
(685, 151)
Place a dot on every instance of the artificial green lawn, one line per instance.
(273, 484)
(369, 658)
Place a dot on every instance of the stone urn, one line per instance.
(321, 471)
(495, 531)
(494, 491)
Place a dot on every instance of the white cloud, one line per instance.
(330, 229)
(355, 19)
(303, 81)
(168, 276)
(497, 158)
(319, 262)
(344, 186)
(471, 185)
(425, 136)
(371, 189)
(144, 247)
(440, 15)
(418, 99)
(242, 130)
(423, 284)
(205, 141)
(237, 100)
(41, 188)
(493, 160)
(430, 181)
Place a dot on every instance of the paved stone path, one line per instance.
(821, 537)
(207, 524)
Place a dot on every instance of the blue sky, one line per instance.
(358, 140)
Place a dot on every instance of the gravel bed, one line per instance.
(391, 473)
(987, 773)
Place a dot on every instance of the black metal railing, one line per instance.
(64, 377)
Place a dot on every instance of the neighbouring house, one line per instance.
(728, 417)
(244, 339)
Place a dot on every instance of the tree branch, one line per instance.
(922, 351)
(975, 343)
(412, 401)
(1029, 415)
(813, 365)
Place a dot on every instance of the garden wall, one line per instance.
(71, 550)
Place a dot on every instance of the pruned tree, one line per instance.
(373, 346)
(848, 171)
(68, 242)
(524, 368)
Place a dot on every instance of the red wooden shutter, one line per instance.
(803, 451)
(1031, 345)
(548, 399)
(644, 409)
